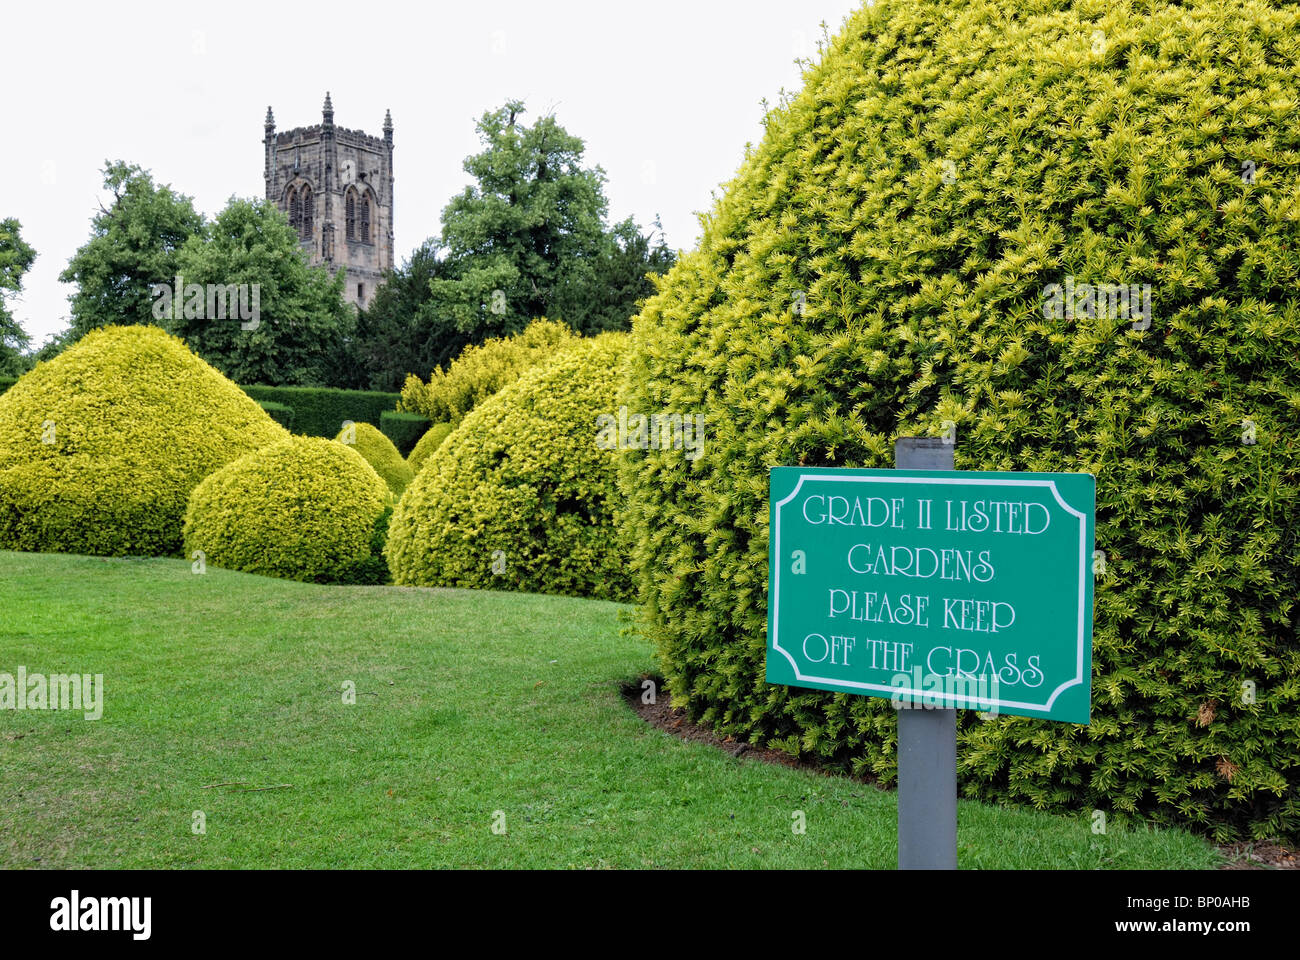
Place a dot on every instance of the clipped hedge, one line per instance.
(893, 256)
(278, 412)
(380, 453)
(404, 429)
(480, 371)
(520, 496)
(433, 439)
(320, 411)
(101, 446)
(304, 508)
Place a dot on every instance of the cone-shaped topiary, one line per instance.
(101, 446)
(938, 229)
(427, 444)
(304, 508)
(380, 453)
(521, 495)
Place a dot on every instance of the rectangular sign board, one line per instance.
(962, 589)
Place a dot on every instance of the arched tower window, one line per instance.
(350, 211)
(308, 211)
(365, 219)
(295, 210)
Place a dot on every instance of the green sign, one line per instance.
(934, 588)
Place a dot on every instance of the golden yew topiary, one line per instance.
(521, 496)
(933, 236)
(432, 439)
(480, 371)
(305, 508)
(101, 446)
(380, 453)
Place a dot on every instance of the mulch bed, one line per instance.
(1257, 855)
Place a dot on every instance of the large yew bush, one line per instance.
(101, 446)
(883, 262)
(521, 496)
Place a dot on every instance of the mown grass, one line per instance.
(472, 708)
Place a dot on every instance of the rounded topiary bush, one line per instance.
(379, 452)
(920, 238)
(431, 440)
(521, 495)
(304, 508)
(101, 446)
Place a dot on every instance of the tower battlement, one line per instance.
(335, 185)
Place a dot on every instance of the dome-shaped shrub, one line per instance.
(427, 444)
(938, 229)
(101, 446)
(305, 508)
(520, 496)
(380, 453)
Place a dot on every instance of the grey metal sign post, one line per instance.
(927, 739)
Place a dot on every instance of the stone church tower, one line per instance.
(336, 187)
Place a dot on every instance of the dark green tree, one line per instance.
(402, 331)
(133, 244)
(529, 239)
(292, 328)
(602, 293)
(16, 258)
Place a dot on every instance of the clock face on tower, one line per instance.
(348, 171)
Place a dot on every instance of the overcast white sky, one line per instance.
(665, 94)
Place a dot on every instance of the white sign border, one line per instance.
(893, 691)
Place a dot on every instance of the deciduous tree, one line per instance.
(16, 258)
(133, 243)
(302, 327)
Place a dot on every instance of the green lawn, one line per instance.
(468, 703)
